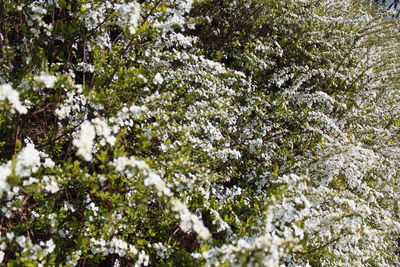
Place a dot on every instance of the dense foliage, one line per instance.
(208, 133)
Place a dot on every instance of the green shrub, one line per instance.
(198, 133)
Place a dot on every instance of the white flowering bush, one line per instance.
(199, 133)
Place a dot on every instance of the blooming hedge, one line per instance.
(198, 133)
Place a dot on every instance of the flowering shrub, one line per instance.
(211, 133)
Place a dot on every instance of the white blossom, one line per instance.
(5, 171)
(8, 93)
(47, 79)
(158, 79)
(49, 163)
(189, 221)
(129, 16)
(28, 161)
(85, 140)
(52, 187)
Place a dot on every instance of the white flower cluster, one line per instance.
(129, 16)
(51, 185)
(104, 131)
(28, 161)
(85, 140)
(131, 167)
(158, 79)
(175, 16)
(179, 40)
(127, 115)
(162, 251)
(119, 247)
(155, 180)
(35, 252)
(220, 223)
(37, 12)
(85, 67)
(189, 221)
(47, 79)
(115, 245)
(5, 171)
(35, 19)
(12, 96)
(268, 248)
(95, 14)
(73, 109)
(74, 257)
